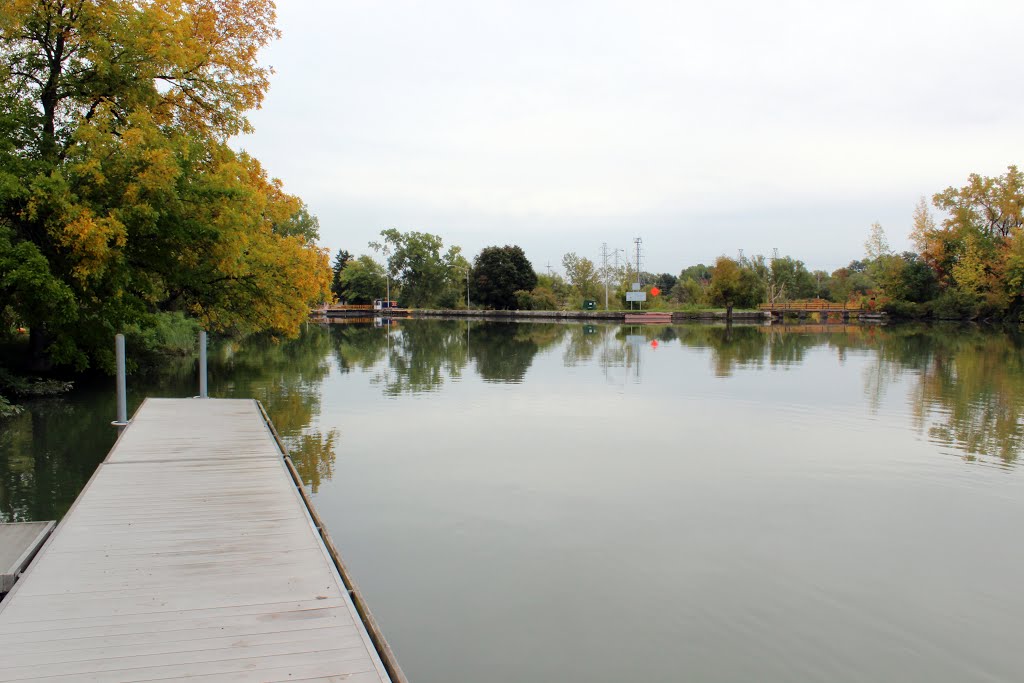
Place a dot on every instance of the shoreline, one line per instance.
(762, 317)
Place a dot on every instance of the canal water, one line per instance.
(589, 503)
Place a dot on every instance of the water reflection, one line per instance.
(286, 376)
(962, 387)
(968, 390)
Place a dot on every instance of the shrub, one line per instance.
(905, 310)
(956, 304)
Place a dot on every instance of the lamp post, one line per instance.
(467, 289)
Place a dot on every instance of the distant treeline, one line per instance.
(969, 265)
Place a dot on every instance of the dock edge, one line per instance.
(387, 657)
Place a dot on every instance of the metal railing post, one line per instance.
(122, 390)
(202, 364)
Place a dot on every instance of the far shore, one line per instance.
(745, 316)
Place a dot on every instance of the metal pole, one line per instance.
(467, 289)
(202, 364)
(122, 390)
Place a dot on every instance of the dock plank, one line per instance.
(190, 554)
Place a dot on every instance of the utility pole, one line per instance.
(638, 285)
(604, 271)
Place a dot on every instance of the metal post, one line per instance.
(122, 390)
(202, 364)
(387, 274)
(467, 289)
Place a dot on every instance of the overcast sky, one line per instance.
(702, 128)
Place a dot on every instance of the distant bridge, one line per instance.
(815, 306)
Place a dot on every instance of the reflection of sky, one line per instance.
(773, 525)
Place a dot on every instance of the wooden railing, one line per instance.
(811, 305)
(349, 307)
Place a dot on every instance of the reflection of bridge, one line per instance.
(820, 328)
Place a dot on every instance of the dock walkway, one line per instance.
(190, 554)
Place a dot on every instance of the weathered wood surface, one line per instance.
(19, 541)
(189, 554)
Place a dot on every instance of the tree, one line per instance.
(733, 284)
(117, 183)
(498, 273)
(340, 260)
(849, 282)
(361, 281)
(876, 244)
(416, 262)
(923, 225)
(981, 219)
(994, 207)
(582, 275)
(664, 281)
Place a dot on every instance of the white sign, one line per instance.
(636, 339)
(636, 286)
(636, 296)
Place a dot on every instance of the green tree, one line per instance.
(734, 284)
(362, 280)
(498, 273)
(117, 182)
(416, 262)
(582, 275)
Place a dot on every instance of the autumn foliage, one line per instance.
(120, 199)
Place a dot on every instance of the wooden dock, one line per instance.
(19, 543)
(659, 318)
(190, 554)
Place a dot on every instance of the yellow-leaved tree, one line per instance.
(120, 199)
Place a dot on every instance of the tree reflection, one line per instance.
(503, 352)
(313, 455)
(422, 355)
(286, 376)
(51, 451)
(971, 394)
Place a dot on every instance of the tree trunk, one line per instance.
(38, 342)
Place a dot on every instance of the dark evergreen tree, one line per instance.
(342, 258)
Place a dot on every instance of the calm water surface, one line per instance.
(542, 502)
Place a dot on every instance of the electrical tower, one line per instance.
(637, 242)
(604, 271)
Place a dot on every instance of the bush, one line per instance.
(25, 387)
(172, 333)
(955, 304)
(540, 299)
(905, 310)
